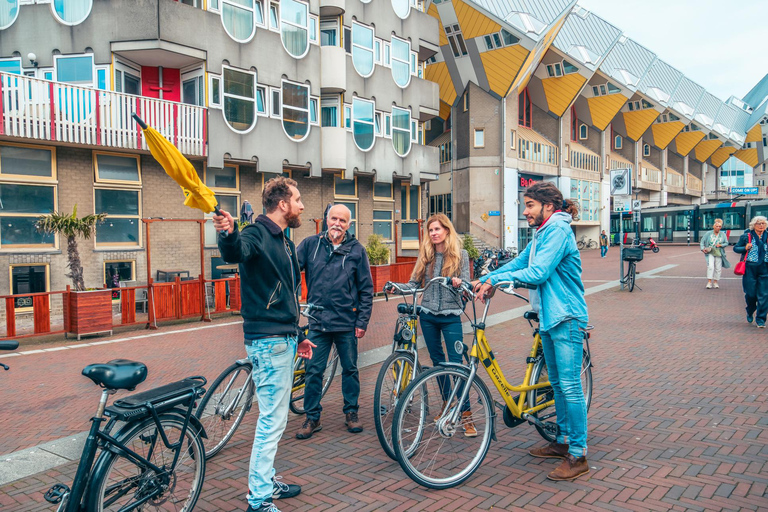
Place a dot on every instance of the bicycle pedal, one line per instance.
(551, 428)
(56, 493)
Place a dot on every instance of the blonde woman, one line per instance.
(441, 254)
(713, 246)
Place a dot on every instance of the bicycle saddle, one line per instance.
(117, 374)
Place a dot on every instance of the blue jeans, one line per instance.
(603, 250)
(346, 345)
(432, 326)
(272, 360)
(563, 345)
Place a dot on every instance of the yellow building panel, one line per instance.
(720, 156)
(438, 73)
(472, 22)
(534, 57)
(604, 108)
(445, 110)
(664, 133)
(686, 141)
(433, 12)
(754, 135)
(748, 156)
(705, 148)
(639, 121)
(502, 65)
(561, 90)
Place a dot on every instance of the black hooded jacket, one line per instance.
(339, 281)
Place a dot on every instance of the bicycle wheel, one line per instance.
(224, 405)
(434, 451)
(580, 245)
(394, 376)
(541, 395)
(631, 276)
(592, 244)
(117, 483)
(299, 373)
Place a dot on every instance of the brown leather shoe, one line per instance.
(570, 469)
(353, 423)
(468, 424)
(308, 428)
(550, 451)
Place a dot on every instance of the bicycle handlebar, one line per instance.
(404, 289)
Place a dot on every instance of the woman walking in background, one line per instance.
(713, 246)
(754, 245)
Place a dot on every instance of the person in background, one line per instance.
(713, 246)
(754, 245)
(603, 244)
(338, 279)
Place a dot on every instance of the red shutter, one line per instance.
(150, 83)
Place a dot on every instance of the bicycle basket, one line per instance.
(632, 254)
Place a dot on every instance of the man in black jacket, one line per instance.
(338, 279)
(269, 289)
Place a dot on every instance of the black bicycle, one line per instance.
(155, 461)
(8, 345)
(631, 255)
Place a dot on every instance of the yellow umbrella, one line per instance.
(196, 193)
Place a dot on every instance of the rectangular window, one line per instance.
(456, 40)
(377, 124)
(34, 278)
(122, 227)
(353, 217)
(382, 223)
(348, 39)
(274, 16)
(329, 32)
(344, 188)
(10, 66)
(111, 168)
(276, 101)
(226, 179)
(410, 208)
(21, 206)
(583, 132)
(388, 125)
(117, 271)
(313, 111)
(348, 117)
(313, 22)
(214, 91)
(524, 109)
(480, 138)
(382, 191)
(75, 70)
(26, 163)
(329, 111)
(261, 100)
(465, 104)
(192, 89)
(227, 202)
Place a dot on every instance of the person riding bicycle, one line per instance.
(269, 286)
(338, 279)
(552, 262)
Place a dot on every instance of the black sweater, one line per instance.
(269, 277)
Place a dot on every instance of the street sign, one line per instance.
(621, 182)
(622, 204)
(747, 191)
(636, 216)
(494, 213)
(636, 205)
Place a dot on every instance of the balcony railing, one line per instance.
(674, 179)
(583, 160)
(618, 164)
(650, 175)
(693, 183)
(31, 108)
(535, 150)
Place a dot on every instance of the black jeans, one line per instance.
(432, 326)
(755, 285)
(346, 345)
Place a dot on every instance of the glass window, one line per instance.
(348, 117)
(122, 225)
(401, 130)
(101, 78)
(192, 91)
(646, 150)
(402, 8)
(276, 102)
(295, 110)
(294, 16)
(21, 206)
(618, 142)
(239, 19)
(362, 123)
(72, 12)
(9, 11)
(612, 89)
(509, 39)
(480, 138)
(382, 224)
(117, 168)
(329, 111)
(362, 49)
(239, 99)
(116, 271)
(75, 70)
(26, 161)
(329, 32)
(226, 178)
(401, 52)
(215, 98)
(382, 190)
(649, 223)
(313, 110)
(261, 101)
(229, 203)
(10, 65)
(352, 218)
(28, 279)
(344, 188)
(583, 132)
(409, 202)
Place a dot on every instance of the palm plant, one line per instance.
(72, 227)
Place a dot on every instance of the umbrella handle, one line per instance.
(139, 121)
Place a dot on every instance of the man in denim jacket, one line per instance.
(552, 262)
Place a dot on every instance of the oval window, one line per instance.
(294, 29)
(238, 18)
(71, 12)
(362, 49)
(295, 111)
(9, 11)
(401, 130)
(239, 93)
(401, 65)
(402, 8)
(362, 123)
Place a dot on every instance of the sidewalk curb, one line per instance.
(30, 461)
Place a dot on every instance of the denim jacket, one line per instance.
(552, 262)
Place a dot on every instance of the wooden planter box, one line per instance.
(88, 312)
(380, 275)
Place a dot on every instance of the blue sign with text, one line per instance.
(752, 191)
(497, 213)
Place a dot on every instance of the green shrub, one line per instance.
(469, 246)
(378, 252)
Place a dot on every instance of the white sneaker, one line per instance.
(716, 286)
(709, 285)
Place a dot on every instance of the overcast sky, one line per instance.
(718, 44)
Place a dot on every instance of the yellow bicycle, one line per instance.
(444, 423)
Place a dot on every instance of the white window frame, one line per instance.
(67, 23)
(586, 131)
(372, 49)
(648, 152)
(372, 123)
(292, 24)
(314, 109)
(474, 138)
(300, 109)
(386, 57)
(275, 102)
(332, 101)
(618, 142)
(224, 94)
(268, 21)
(18, 8)
(409, 130)
(555, 68)
(237, 5)
(58, 58)
(123, 68)
(16, 59)
(314, 25)
(215, 78)
(347, 119)
(198, 74)
(406, 62)
(330, 24)
(395, 6)
(387, 126)
(265, 91)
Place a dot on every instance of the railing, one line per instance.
(618, 164)
(693, 183)
(535, 151)
(482, 228)
(674, 179)
(583, 160)
(650, 175)
(41, 109)
(401, 272)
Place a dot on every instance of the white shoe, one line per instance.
(716, 285)
(709, 285)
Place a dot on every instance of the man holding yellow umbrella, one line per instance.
(269, 284)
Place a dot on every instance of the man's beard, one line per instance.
(293, 220)
(538, 219)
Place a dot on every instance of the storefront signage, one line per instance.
(526, 180)
(751, 191)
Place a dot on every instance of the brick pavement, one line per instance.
(677, 419)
